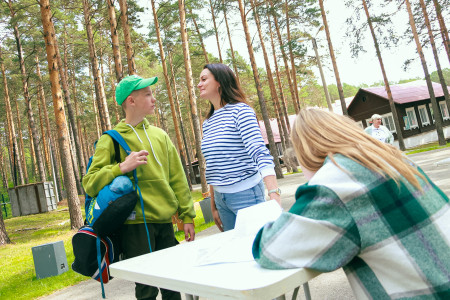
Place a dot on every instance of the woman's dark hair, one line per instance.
(230, 91)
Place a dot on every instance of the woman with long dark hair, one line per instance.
(237, 160)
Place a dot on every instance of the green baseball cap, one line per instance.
(132, 83)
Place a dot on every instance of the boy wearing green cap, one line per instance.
(161, 177)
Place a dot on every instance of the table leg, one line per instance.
(191, 297)
(295, 293)
(307, 292)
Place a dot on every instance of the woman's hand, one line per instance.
(217, 219)
(214, 211)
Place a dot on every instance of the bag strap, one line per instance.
(116, 136)
(99, 263)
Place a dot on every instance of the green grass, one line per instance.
(426, 147)
(17, 275)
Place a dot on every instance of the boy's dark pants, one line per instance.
(134, 243)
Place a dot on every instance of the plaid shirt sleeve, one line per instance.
(326, 237)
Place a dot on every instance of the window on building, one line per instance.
(388, 121)
(444, 110)
(431, 112)
(411, 118)
(423, 115)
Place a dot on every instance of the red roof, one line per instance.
(274, 125)
(407, 92)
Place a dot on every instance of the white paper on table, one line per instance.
(238, 247)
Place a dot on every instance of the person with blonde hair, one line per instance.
(378, 131)
(366, 208)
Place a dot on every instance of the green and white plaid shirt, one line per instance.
(393, 241)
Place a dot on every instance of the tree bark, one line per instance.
(200, 38)
(192, 98)
(436, 110)
(4, 238)
(262, 101)
(113, 91)
(435, 54)
(21, 145)
(284, 111)
(127, 37)
(291, 56)
(333, 60)
(444, 31)
(286, 65)
(41, 103)
(169, 90)
(26, 96)
(273, 91)
(229, 39)
(76, 220)
(177, 104)
(79, 162)
(115, 40)
(98, 82)
(12, 136)
(401, 143)
(215, 30)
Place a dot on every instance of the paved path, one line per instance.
(333, 285)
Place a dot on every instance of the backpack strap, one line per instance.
(116, 136)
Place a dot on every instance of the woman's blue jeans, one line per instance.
(228, 204)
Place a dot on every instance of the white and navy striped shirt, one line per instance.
(235, 153)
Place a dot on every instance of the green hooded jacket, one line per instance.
(162, 180)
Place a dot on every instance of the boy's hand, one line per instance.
(189, 232)
(133, 160)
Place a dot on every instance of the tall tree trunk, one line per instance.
(192, 98)
(273, 91)
(113, 91)
(79, 166)
(333, 60)
(291, 55)
(76, 219)
(4, 238)
(41, 103)
(284, 111)
(3, 168)
(436, 110)
(12, 136)
(115, 40)
(215, 30)
(26, 96)
(401, 143)
(443, 28)
(98, 82)
(322, 77)
(286, 65)
(436, 56)
(177, 104)
(262, 101)
(21, 145)
(229, 39)
(200, 37)
(169, 90)
(127, 37)
(33, 157)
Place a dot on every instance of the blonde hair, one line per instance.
(317, 134)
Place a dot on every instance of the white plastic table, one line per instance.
(175, 269)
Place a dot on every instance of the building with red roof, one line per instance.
(413, 107)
